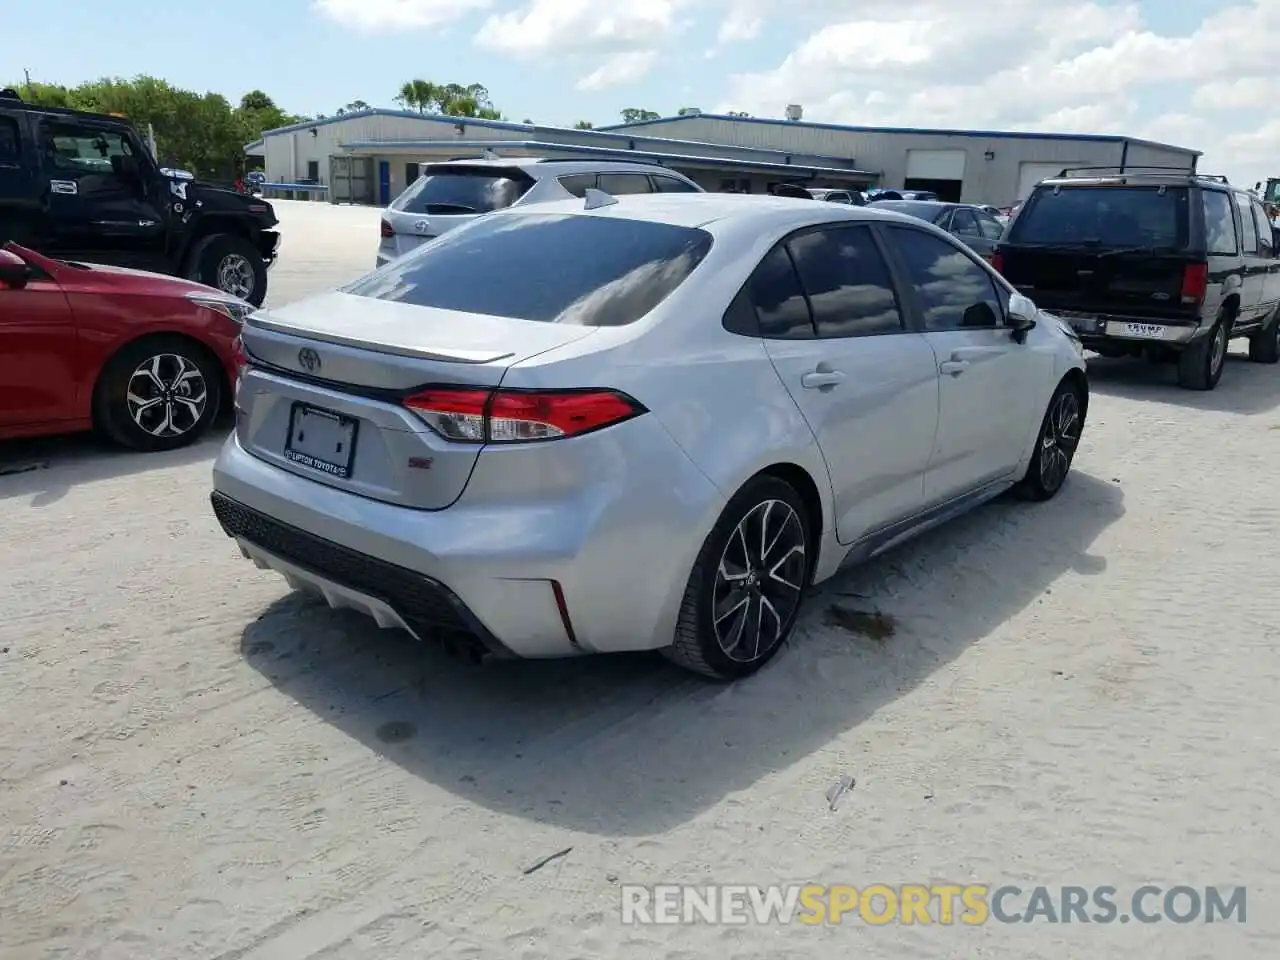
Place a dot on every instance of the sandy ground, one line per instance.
(195, 764)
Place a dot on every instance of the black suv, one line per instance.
(83, 186)
(1150, 261)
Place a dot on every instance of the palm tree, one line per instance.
(420, 95)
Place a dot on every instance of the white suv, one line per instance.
(454, 192)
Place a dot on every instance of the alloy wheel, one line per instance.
(235, 276)
(1218, 350)
(1060, 439)
(167, 395)
(759, 581)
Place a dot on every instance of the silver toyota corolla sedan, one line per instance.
(652, 422)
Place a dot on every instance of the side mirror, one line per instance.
(14, 272)
(1022, 316)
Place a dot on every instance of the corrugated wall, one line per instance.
(993, 181)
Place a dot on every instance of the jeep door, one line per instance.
(17, 186)
(99, 197)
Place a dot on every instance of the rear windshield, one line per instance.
(921, 209)
(584, 270)
(459, 190)
(1104, 216)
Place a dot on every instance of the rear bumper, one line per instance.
(601, 570)
(1094, 328)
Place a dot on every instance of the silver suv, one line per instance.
(452, 193)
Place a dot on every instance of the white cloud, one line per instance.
(376, 16)
(547, 27)
(619, 70)
(1095, 67)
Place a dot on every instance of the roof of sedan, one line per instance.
(703, 209)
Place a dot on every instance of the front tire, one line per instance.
(233, 265)
(747, 585)
(160, 393)
(1264, 346)
(1056, 444)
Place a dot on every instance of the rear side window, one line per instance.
(963, 224)
(1266, 246)
(775, 293)
(1219, 225)
(672, 185)
(847, 282)
(575, 269)
(1248, 229)
(621, 184)
(8, 140)
(578, 183)
(458, 190)
(991, 228)
(1122, 216)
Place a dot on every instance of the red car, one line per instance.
(146, 359)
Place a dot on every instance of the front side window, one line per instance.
(72, 151)
(462, 190)
(1220, 226)
(847, 282)
(573, 269)
(954, 293)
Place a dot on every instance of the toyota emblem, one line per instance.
(309, 360)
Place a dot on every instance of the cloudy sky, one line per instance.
(1193, 72)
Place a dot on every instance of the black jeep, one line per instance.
(84, 186)
(1157, 262)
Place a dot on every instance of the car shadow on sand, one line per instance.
(1245, 388)
(46, 468)
(629, 745)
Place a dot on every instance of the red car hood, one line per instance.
(121, 279)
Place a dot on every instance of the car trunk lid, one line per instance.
(323, 394)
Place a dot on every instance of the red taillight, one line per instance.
(997, 262)
(1195, 281)
(386, 230)
(470, 415)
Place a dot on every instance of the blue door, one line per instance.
(384, 182)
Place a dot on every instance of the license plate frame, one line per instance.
(1144, 331)
(339, 433)
(1082, 324)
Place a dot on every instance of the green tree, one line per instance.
(355, 106)
(448, 99)
(584, 125)
(637, 115)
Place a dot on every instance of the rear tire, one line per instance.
(1200, 365)
(232, 264)
(1056, 444)
(159, 393)
(1264, 346)
(748, 584)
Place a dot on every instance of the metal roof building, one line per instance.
(372, 155)
(974, 166)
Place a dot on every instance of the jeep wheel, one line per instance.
(233, 265)
(1200, 364)
(1264, 346)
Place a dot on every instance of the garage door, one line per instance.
(1029, 174)
(935, 164)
